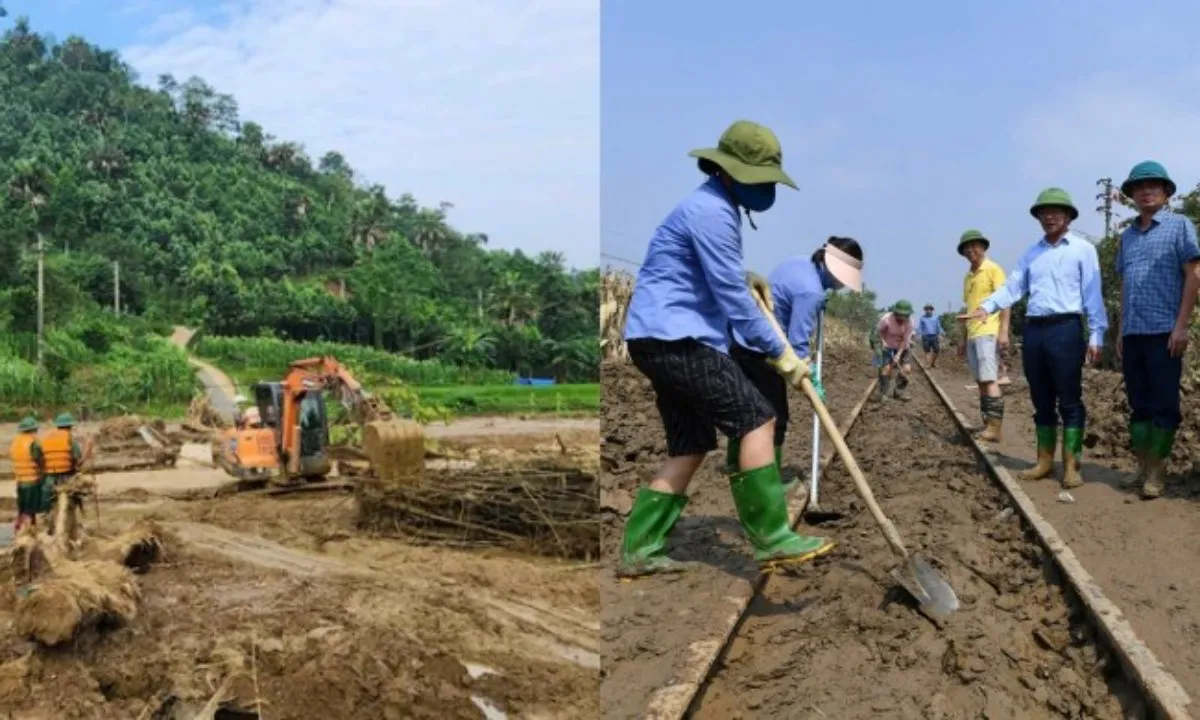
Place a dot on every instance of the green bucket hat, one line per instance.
(1148, 170)
(972, 236)
(64, 421)
(750, 153)
(902, 307)
(1054, 197)
(29, 424)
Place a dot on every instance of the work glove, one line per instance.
(791, 367)
(759, 286)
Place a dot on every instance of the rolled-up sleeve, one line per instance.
(1186, 244)
(718, 245)
(1093, 296)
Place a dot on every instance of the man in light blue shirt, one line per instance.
(690, 289)
(1061, 276)
(798, 288)
(1160, 276)
(929, 327)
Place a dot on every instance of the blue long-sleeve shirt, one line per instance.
(692, 285)
(798, 291)
(1060, 278)
(929, 325)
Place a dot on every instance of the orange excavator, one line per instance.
(284, 438)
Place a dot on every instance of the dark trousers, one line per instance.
(769, 384)
(1152, 379)
(1054, 351)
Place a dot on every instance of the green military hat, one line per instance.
(1054, 197)
(28, 424)
(64, 421)
(750, 153)
(902, 307)
(1148, 170)
(971, 236)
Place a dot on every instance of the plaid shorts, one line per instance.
(699, 391)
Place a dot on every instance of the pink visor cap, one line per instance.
(844, 267)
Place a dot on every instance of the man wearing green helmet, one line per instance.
(691, 289)
(26, 457)
(61, 456)
(984, 341)
(1061, 276)
(895, 332)
(1160, 276)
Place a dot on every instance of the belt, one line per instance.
(1052, 319)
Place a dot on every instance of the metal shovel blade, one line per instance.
(935, 596)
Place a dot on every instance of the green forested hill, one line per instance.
(214, 222)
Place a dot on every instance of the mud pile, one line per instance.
(839, 640)
(1108, 418)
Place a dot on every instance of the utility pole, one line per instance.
(41, 301)
(1106, 197)
(117, 287)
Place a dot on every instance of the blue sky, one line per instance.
(903, 123)
(491, 105)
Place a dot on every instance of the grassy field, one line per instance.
(515, 399)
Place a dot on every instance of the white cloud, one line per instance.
(492, 105)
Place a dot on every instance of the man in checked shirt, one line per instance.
(1160, 276)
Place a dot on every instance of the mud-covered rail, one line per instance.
(1035, 638)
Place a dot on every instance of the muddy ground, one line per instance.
(301, 613)
(1142, 554)
(649, 624)
(840, 641)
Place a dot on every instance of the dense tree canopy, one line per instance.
(216, 223)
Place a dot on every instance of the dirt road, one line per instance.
(652, 627)
(1143, 554)
(219, 389)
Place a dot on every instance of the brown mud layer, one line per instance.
(649, 625)
(840, 641)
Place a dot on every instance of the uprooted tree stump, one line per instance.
(74, 583)
(545, 510)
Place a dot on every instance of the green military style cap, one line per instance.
(28, 424)
(64, 421)
(1148, 170)
(902, 307)
(972, 236)
(1054, 197)
(750, 153)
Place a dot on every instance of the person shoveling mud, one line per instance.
(690, 289)
(892, 336)
(797, 291)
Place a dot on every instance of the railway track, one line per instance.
(764, 649)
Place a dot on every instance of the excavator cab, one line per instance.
(313, 462)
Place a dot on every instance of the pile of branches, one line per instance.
(547, 511)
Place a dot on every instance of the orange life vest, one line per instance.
(21, 453)
(56, 449)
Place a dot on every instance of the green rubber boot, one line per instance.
(1047, 443)
(733, 451)
(788, 484)
(1072, 457)
(762, 510)
(1139, 442)
(1162, 440)
(643, 552)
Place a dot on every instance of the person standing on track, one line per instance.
(1160, 276)
(797, 290)
(26, 457)
(929, 327)
(689, 291)
(895, 330)
(1061, 275)
(984, 342)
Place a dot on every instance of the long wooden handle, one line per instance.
(860, 481)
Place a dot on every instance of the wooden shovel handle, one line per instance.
(831, 428)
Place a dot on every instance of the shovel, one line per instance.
(917, 575)
(814, 514)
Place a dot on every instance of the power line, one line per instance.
(627, 261)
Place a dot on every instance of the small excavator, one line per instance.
(283, 439)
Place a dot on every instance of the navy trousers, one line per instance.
(1053, 355)
(1152, 380)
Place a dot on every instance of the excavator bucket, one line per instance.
(396, 449)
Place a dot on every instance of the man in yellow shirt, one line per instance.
(984, 340)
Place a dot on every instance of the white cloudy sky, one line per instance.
(492, 105)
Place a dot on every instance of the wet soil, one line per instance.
(841, 641)
(1141, 553)
(649, 625)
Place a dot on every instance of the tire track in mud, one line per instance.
(839, 641)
